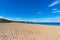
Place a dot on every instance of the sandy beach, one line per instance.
(19, 31)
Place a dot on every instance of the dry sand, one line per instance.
(19, 31)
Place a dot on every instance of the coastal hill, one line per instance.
(2, 20)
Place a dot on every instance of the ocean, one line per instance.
(46, 23)
(51, 23)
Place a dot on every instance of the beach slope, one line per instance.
(19, 31)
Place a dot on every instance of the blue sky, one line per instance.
(31, 10)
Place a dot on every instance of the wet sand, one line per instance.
(19, 31)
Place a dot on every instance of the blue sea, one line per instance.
(45, 23)
(53, 24)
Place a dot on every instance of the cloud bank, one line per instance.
(53, 19)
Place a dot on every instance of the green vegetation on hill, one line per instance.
(4, 21)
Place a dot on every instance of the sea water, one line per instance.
(45, 23)
(51, 23)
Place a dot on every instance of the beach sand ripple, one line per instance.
(17, 31)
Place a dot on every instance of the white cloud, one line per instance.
(54, 3)
(40, 12)
(55, 10)
(58, 11)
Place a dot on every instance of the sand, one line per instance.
(19, 31)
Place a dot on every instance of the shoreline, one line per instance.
(35, 24)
